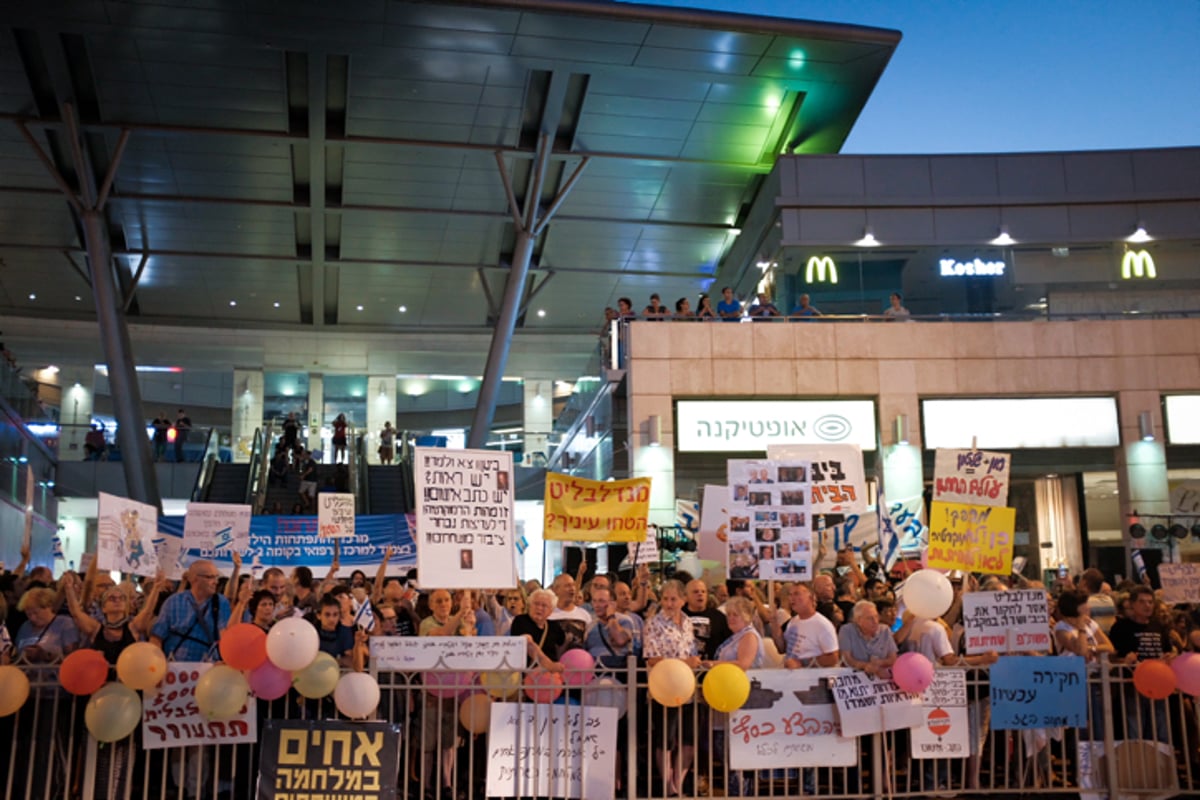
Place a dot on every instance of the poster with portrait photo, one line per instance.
(769, 516)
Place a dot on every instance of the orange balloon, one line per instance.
(475, 713)
(1154, 679)
(244, 646)
(543, 687)
(83, 672)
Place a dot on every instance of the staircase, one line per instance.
(391, 489)
(228, 484)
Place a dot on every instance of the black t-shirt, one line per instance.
(1148, 640)
(550, 638)
(709, 628)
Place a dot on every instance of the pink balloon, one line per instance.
(540, 678)
(448, 684)
(912, 672)
(1187, 673)
(580, 667)
(269, 682)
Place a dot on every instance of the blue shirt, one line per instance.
(336, 642)
(732, 307)
(186, 628)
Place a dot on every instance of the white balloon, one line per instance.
(927, 594)
(607, 692)
(292, 644)
(356, 695)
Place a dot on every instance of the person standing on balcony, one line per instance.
(387, 443)
(183, 425)
(729, 309)
(339, 438)
(161, 425)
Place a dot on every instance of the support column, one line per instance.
(316, 410)
(381, 408)
(78, 391)
(539, 416)
(1141, 473)
(247, 411)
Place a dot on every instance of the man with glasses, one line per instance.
(191, 622)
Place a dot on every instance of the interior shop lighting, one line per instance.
(868, 239)
(1003, 239)
(1139, 236)
(1146, 426)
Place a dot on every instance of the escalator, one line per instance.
(390, 489)
(227, 484)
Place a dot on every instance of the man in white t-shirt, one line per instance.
(810, 638)
(572, 618)
(929, 638)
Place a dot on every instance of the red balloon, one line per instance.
(552, 681)
(1154, 679)
(244, 646)
(83, 672)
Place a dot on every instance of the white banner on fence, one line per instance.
(170, 717)
(867, 704)
(974, 477)
(466, 537)
(839, 483)
(1180, 582)
(1006, 622)
(789, 721)
(405, 653)
(944, 733)
(541, 750)
(126, 530)
(217, 526)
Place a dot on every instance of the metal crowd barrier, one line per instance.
(1143, 748)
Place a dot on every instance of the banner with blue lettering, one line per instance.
(294, 541)
(1038, 692)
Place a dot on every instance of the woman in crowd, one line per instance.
(339, 438)
(45, 637)
(669, 635)
(116, 630)
(544, 636)
(683, 309)
(440, 720)
(746, 649)
(706, 310)
(1078, 634)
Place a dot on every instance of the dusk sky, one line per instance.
(985, 76)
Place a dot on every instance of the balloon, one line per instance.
(1187, 673)
(448, 683)
(927, 593)
(552, 681)
(244, 646)
(500, 685)
(912, 672)
(14, 690)
(141, 666)
(319, 678)
(222, 692)
(672, 682)
(726, 687)
(113, 712)
(292, 644)
(83, 672)
(1154, 679)
(475, 713)
(356, 695)
(269, 682)
(580, 667)
(607, 692)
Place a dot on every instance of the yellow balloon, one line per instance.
(475, 713)
(500, 685)
(726, 687)
(14, 690)
(672, 682)
(141, 666)
(222, 692)
(113, 712)
(319, 678)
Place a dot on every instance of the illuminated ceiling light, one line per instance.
(288, 391)
(402, 309)
(32, 296)
(358, 308)
(52, 369)
(1004, 240)
(541, 312)
(796, 59)
(1146, 426)
(868, 239)
(276, 304)
(78, 299)
(232, 303)
(1139, 236)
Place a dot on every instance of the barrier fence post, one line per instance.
(1106, 702)
(631, 679)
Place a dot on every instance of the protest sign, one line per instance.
(335, 515)
(769, 534)
(125, 535)
(476, 653)
(542, 750)
(170, 717)
(789, 720)
(582, 510)
(1180, 582)
(974, 477)
(944, 733)
(1038, 692)
(327, 759)
(465, 518)
(971, 538)
(217, 526)
(645, 552)
(1007, 622)
(901, 528)
(714, 526)
(839, 483)
(867, 704)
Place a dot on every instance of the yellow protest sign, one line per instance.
(580, 510)
(972, 538)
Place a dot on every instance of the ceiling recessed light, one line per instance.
(358, 308)
(78, 298)
(32, 296)
(402, 309)
(233, 302)
(277, 304)
(541, 312)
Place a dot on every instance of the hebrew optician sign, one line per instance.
(724, 426)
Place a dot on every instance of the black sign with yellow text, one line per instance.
(328, 760)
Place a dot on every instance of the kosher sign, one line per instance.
(789, 720)
(1006, 622)
(465, 522)
(170, 717)
(975, 477)
(749, 426)
(125, 535)
(309, 759)
(475, 653)
(542, 750)
(582, 510)
(1180, 582)
(971, 538)
(1038, 692)
(335, 515)
(217, 526)
(867, 704)
(944, 733)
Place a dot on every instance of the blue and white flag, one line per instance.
(56, 542)
(364, 617)
(900, 528)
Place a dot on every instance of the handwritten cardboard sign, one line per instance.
(335, 515)
(971, 538)
(974, 477)
(789, 721)
(125, 535)
(217, 526)
(170, 717)
(1180, 582)
(582, 510)
(839, 483)
(867, 704)
(541, 750)
(1007, 622)
(405, 653)
(944, 732)
(1038, 692)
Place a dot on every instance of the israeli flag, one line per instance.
(364, 617)
(58, 548)
(522, 544)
